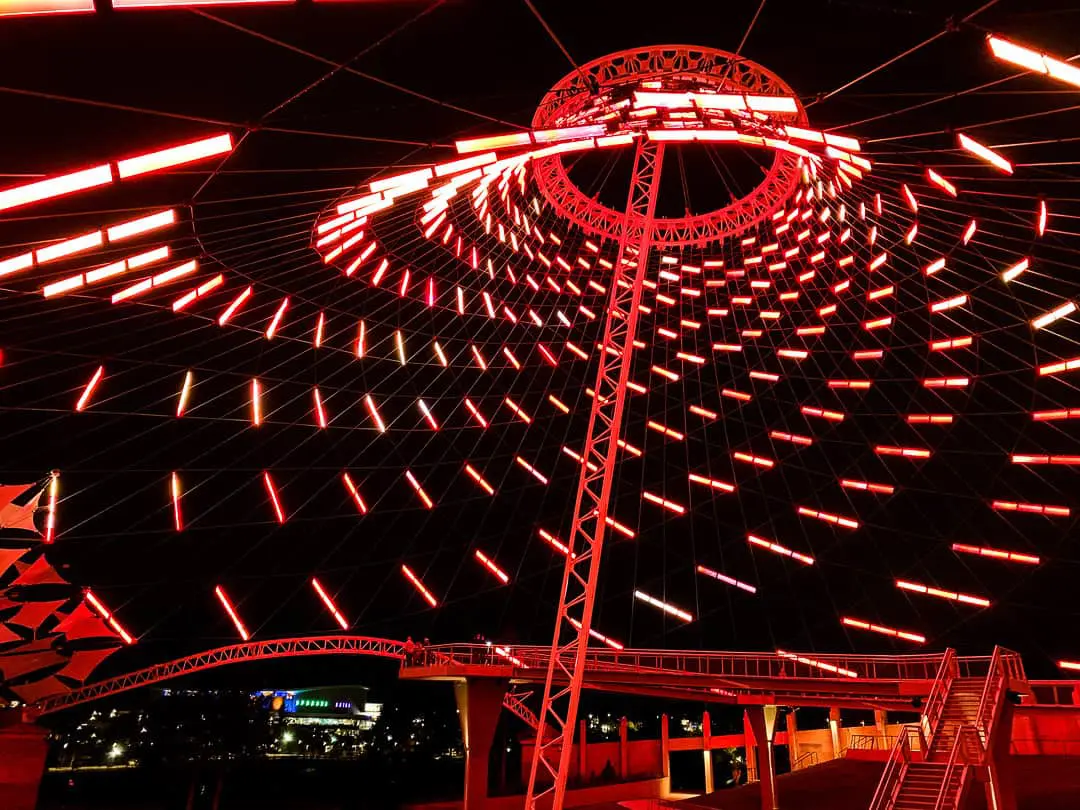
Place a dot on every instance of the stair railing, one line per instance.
(899, 757)
(959, 757)
(805, 761)
(935, 703)
(990, 701)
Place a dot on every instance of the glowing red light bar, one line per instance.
(1040, 223)
(141, 225)
(207, 286)
(490, 565)
(1073, 665)
(84, 399)
(476, 413)
(949, 343)
(929, 419)
(1055, 314)
(868, 354)
(174, 492)
(941, 182)
(521, 414)
(906, 452)
(597, 635)
(68, 247)
(847, 523)
(1029, 459)
(909, 198)
(554, 542)
(877, 323)
(935, 266)
(712, 482)
(492, 142)
(671, 610)
(950, 303)
(174, 156)
(776, 548)
(951, 595)
(984, 153)
(419, 489)
(946, 382)
(1031, 508)
(329, 603)
(885, 631)
(185, 392)
(227, 604)
(855, 384)
(822, 665)
(1015, 270)
(479, 479)
(531, 469)
(108, 616)
(349, 485)
(703, 412)
(256, 403)
(701, 569)
(369, 403)
(794, 438)
(415, 580)
(558, 403)
(674, 434)
(833, 416)
(231, 309)
(997, 554)
(55, 187)
(271, 490)
(881, 489)
(664, 502)
(1050, 416)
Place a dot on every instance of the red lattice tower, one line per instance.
(589, 96)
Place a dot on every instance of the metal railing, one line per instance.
(961, 756)
(692, 662)
(899, 758)
(805, 761)
(862, 742)
(935, 703)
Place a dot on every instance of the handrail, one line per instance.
(958, 756)
(810, 758)
(935, 703)
(984, 716)
(895, 767)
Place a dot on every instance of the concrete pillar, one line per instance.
(479, 701)
(1001, 787)
(706, 752)
(582, 751)
(881, 721)
(763, 725)
(834, 731)
(23, 746)
(665, 755)
(1076, 695)
(792, 737)
(624, 751)
(748, 742)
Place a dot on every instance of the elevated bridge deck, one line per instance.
(894, 682)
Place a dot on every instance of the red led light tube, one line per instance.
(107, 615)
(671, 610)
(415, 580)
(996, 553)
(701, 569)
(885, 631)
(227, 604)
(950, 595)
(326, 600)
(776, 548)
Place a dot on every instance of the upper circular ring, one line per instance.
(720, 70)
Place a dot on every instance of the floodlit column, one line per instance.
(1001, 787)
(763, 725)
(834, 731)
(665, 754)
(624, 750)
(583, 760)
(706, 752)
(479, 701)
(792, 737)
(881, 720)
(748, 743)
(23, 746)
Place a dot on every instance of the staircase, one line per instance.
(933, 761)
(961, 708)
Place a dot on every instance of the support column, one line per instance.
(881, 721)
(763, 724)
(665, 755)
(479, 701)
(748, 743)
(706, 745)
(582, 752)
(1001, 787)
(792, 737)
(624, 751)
(834, 731)
(23, 746)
